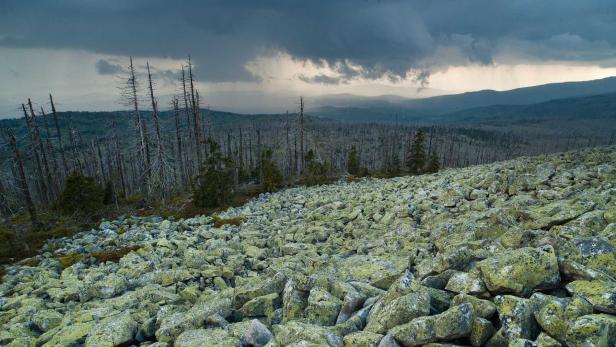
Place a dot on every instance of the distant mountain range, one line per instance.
(591, 104)
(456, 102)
(589, 99)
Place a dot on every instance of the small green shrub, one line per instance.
(353, 162)
(272, 177)
(108, 194)
(214, 185)
(315, 171)
(81, 194)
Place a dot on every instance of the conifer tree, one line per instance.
(433, 162)
(214, 184)
(353, 161)
(416, 160)
(272, 176)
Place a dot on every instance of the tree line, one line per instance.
(57, 166)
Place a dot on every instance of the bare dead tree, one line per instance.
(21, 179)
(41, 182)
(178, 139)
(129, 92)
(195, 111)
(50, 149)
(38, 142)
(5, 210)
(301, 135)
(59, 135)
(160, 157)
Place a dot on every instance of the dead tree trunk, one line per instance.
(50, 148)
(41, 181)
(195, 111)
(301, 135)
(178, 139)
(21, 179)
(144, 148)
(159, 141)
(50, 182)
(4, 205)
(60, 145)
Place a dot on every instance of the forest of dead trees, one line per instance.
(160, 159)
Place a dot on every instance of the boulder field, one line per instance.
(515, 253)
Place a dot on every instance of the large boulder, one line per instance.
(592, 330)
(449, 325)
(555, 314)
(257, 334)
(602, 295)
(113, 331)
(323, 308)
(206, 337)
(517, 319)
(521, 271)
(295, 331)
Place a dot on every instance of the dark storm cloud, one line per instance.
(366, 38)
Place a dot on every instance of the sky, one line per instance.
(260, 56)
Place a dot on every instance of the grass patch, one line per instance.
(218, 221)
(114, 255)
(66, 260)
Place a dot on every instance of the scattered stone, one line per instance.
(421, 260)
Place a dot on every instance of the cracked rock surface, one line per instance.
(511, 253)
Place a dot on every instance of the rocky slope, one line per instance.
(518, 253)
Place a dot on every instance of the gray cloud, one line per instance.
(383, 38)
(103, 67)
(321, 79)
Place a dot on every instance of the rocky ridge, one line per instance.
(517, 253)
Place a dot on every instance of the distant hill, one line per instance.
(580, 108)
(415, 108)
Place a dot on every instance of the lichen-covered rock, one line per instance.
(262, 306)
(545, 340)
(602, 295)
(362, 339)
(449, 325)
(555, 314)
(481, 331)
(323, 308)
(466, 283)
(521, 271)
(257, 334)
(71, 335)
(482, 308)
(517, 319)
(294, 331)
(390, 311)
(346, 263)
(258, 288)
(206, 337)
(113, 331)
(46, 320)
(592, 330)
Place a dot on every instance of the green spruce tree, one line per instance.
(272, 176)
(353, 162)
(433, 163)
(416, 160)
(214, 185)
